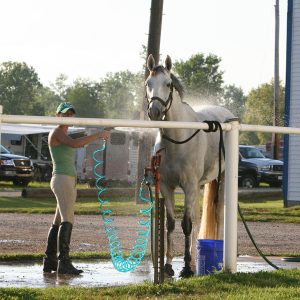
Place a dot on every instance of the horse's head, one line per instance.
(159, 88)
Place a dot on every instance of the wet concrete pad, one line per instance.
(101, 273)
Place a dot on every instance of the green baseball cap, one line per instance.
(64, 107)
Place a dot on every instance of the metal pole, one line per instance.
(154, 31)
(231, 197)
(161, 239)
(276, 142)
(145, 143)
(1, 111)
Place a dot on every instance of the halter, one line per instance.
(167, 104)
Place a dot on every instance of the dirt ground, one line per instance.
(26, 233)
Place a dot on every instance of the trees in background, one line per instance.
(116, 96)
(233, 99)
(86, 97)
(19, 84)
(201, 76)
(120, 94)
(259, 110)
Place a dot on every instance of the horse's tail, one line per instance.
(212, 211)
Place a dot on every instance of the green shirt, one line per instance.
(63, 159)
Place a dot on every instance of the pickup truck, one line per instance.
(15, 168)
(255, 168)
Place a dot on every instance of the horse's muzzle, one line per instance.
(154, 113)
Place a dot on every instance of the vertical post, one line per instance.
(156, 241)
(159, 229)
(231, 197)
(153, 48)
(161, 239)
(276, 136)
(1, 112)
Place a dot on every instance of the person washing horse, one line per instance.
(63, 184)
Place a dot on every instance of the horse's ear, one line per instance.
(168, 63)
(150, 62)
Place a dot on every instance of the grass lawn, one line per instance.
(263, 210)
(281, 284)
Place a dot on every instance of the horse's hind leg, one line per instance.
(190, 226)
(168, 194)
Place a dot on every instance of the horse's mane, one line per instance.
(177, 85)
(176, 82)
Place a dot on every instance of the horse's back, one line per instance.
(214, 113)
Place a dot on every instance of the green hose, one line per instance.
(253, 242)
(291, 259)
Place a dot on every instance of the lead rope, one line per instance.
(141, 242)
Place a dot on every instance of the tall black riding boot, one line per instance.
(64, 262)
(50, 260)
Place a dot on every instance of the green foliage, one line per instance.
(233, 99)
(122, 93)
(86, 97)
(263, 210)
(201, 75)
(260, 110)
(39, 256)
(18, 86)
(270, 211)
(60, 86)
(46, 102)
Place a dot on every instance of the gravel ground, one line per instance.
(26, 233)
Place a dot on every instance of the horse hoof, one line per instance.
(168, 270)
(186, 272)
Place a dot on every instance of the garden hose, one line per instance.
(222, 151)
(291, 259)
(141, 242)
(253, 242)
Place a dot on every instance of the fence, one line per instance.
(232, 129)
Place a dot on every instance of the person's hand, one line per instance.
(104, 135)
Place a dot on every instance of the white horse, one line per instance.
(189, 165)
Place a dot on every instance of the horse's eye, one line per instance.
(168, 84)
(148, 85)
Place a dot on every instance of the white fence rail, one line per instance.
(232, 129)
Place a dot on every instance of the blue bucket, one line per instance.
(209, 256)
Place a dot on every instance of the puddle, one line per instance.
(101, 273)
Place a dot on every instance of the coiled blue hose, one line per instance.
(141, 242)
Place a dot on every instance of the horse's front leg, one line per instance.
(190, 226)
(168, 194)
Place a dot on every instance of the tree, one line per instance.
(86, 97)
(201, 76)
(259, 110)
(46, 102)
(60, 86)
(233, 99)
(122, 92)
(18, 85)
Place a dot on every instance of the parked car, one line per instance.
(42, 171)
(255, 168)
(15, 168)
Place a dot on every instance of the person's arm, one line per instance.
(62, 138)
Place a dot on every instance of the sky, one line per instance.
(90, 38)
